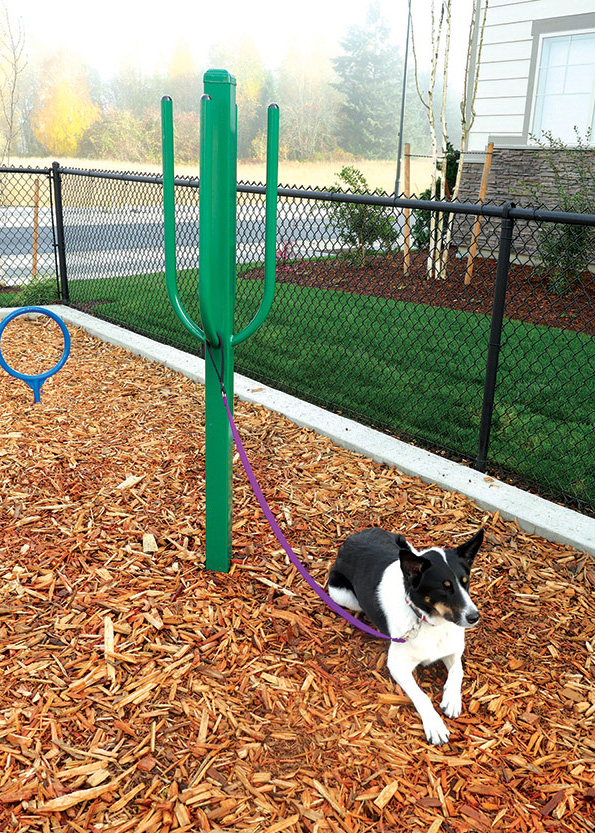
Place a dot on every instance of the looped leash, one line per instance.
(320, 592)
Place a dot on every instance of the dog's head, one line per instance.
(437, 580)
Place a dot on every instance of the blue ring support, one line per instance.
(35, 381)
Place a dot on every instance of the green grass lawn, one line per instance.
(413, 370)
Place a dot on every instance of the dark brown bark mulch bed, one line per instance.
(528, 297)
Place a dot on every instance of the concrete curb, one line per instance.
(534, 514)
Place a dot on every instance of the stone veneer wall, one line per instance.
(510, 168)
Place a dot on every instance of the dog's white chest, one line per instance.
(434, 642)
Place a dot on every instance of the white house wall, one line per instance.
(514, 71)
(505, 65)
(504, 123)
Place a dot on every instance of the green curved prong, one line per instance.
(270, 244)
(169, 219)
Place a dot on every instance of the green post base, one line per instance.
(218, 462)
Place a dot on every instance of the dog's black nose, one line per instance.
(473, 617)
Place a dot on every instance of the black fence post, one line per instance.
(60, 244)
(506, 229)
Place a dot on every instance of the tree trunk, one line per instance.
(467, 118)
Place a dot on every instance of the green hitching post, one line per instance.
(217, 286)
(217, 279)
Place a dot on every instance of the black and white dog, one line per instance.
(420, 597)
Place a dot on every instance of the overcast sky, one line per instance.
(113, 32)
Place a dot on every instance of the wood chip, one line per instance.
(64, 802)
(386, 794)
(149, 543)
(109, 648)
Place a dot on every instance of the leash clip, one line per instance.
(219, 373)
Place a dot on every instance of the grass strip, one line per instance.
(414, 370)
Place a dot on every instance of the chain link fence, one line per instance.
(462, 329)
(27, 239)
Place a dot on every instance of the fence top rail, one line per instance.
(476, 209)
(6, 169)
(509, 210)
(155, 179)
(539, 215)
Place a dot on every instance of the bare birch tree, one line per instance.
(437, 24)
(440, 219)
(12, 64)
(476, 33)
(441, 226)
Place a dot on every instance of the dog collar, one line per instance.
(419, 613)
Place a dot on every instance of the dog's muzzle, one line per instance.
(470, 618)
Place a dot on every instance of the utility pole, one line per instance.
(400, 148)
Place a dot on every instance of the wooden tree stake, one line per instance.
(477, 225)
(35, 228)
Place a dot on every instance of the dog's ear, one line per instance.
(467, 551)
(413, 566)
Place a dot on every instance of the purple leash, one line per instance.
(266, 509)
(322, 594)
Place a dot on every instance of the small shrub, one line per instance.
(40, 291)
(566, 251)
(420, 226)
(361, 227)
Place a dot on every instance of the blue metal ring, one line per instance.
(35, 381)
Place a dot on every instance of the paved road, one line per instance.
(130, 241)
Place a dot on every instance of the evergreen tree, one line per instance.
(370, 75)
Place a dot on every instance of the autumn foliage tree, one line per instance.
(64, 110)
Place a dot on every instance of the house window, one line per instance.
(565, 94)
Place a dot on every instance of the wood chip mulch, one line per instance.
(139, 692)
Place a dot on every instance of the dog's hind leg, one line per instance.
(343, 596)
(340, 589)
(451, 696)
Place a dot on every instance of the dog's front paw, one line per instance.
(435, 729)
(451, 703)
